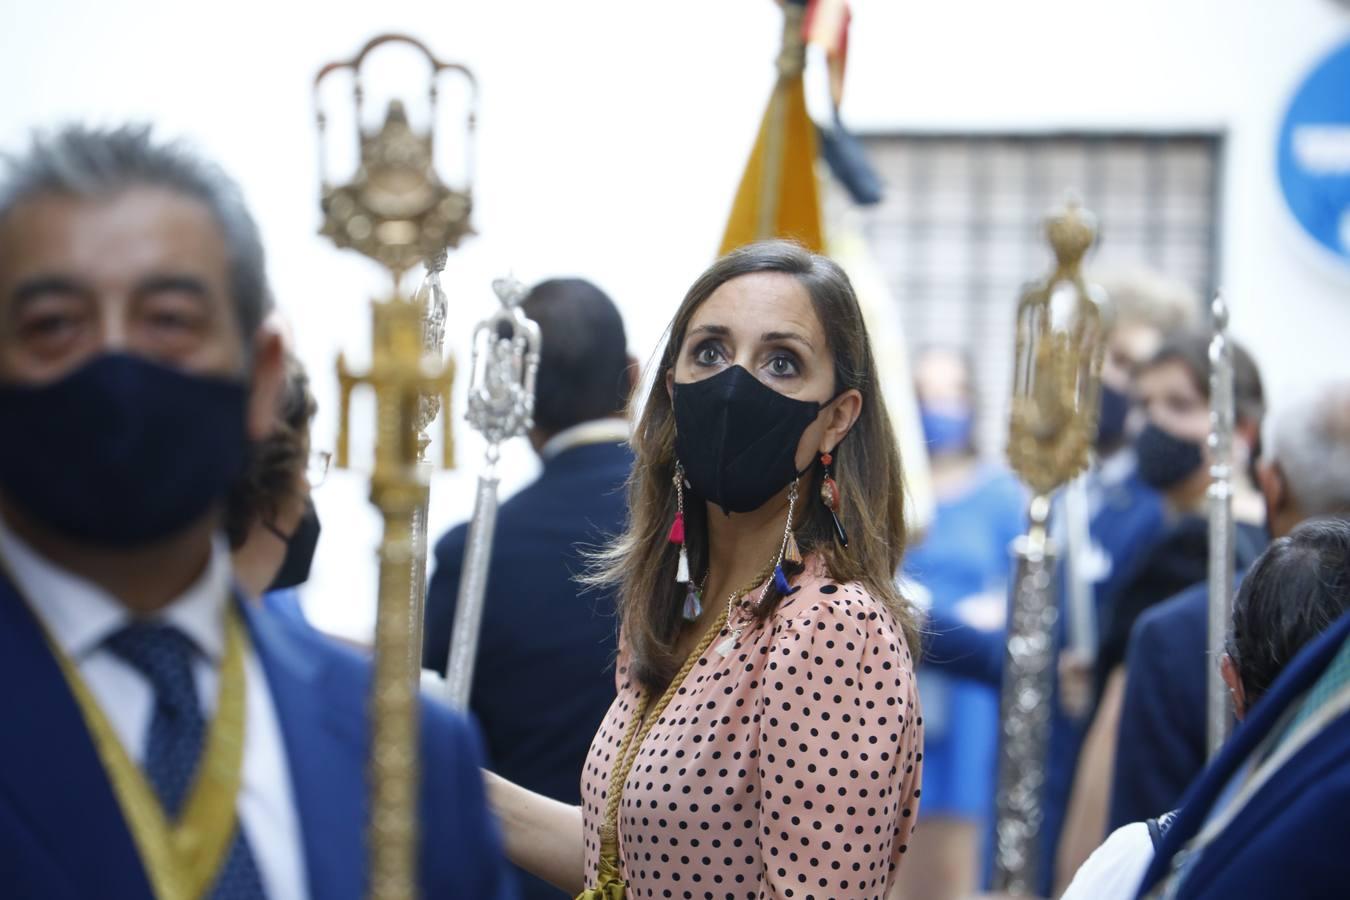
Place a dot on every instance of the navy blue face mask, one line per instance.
(122, 451)
(737, 438)
(1164, 459)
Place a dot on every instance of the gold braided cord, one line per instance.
(609, 879)
(182, 858)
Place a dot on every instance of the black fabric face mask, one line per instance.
(737, 438)
(122, 451)
(300, 546)
(1166, 460)
(1115, 409)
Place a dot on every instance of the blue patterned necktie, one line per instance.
(163, 654)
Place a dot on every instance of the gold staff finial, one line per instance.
(396, 210)
(1060, 341)
(1061, 327)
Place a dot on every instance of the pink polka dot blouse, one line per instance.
(787, 768)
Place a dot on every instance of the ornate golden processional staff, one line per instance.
(397, 211)
(1060, 340)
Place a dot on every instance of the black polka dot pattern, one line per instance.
(788, 769)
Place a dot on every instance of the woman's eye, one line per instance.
(706, 354)
(782, 366)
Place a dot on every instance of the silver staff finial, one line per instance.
(501, 406)
(1218, 311)
(510, 291)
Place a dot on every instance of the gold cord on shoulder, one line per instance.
(182, 858)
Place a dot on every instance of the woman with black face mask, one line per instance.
(766, 736)
(270, 519)
(1172, 390)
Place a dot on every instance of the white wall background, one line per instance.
(612, 135)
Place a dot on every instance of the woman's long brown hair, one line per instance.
(642, 562)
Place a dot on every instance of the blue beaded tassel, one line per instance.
(788, 549)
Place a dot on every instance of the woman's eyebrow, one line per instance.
(768, 336)
(716, 330)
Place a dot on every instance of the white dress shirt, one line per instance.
(596, 431)
(1115, 870)
(80, 616)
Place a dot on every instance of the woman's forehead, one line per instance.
(761, 302)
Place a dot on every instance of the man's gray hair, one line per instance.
(80, 161)
(1309, 439)
(1141, 295)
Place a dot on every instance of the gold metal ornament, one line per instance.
(1057, 374)
(1060, 342)
(397, 211)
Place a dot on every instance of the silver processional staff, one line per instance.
(501, 406)
(1222, 532)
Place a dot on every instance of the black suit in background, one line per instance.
(543, 678)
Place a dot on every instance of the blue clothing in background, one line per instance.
(285, 602)
(954, 647)
(543, 677)
(964, 554)
(1125, 518)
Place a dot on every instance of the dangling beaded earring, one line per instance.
(789, 550)
(829, 495)
(693, 601)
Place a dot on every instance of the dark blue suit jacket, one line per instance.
(1161, 748)
(1290, 839)
(62, 835)
(543, 677)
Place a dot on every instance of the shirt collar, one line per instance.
(596, 431)
(1117, 467)
(79, 615)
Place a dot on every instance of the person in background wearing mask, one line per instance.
(1295, 591)
(1304, 472)
(270, 519)
(543, 676)
(1172, 390)
(164, 738)
(964, 565)
(1124, 516)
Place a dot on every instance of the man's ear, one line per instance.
(1228, 669)
(843, 413)
(268, 376)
